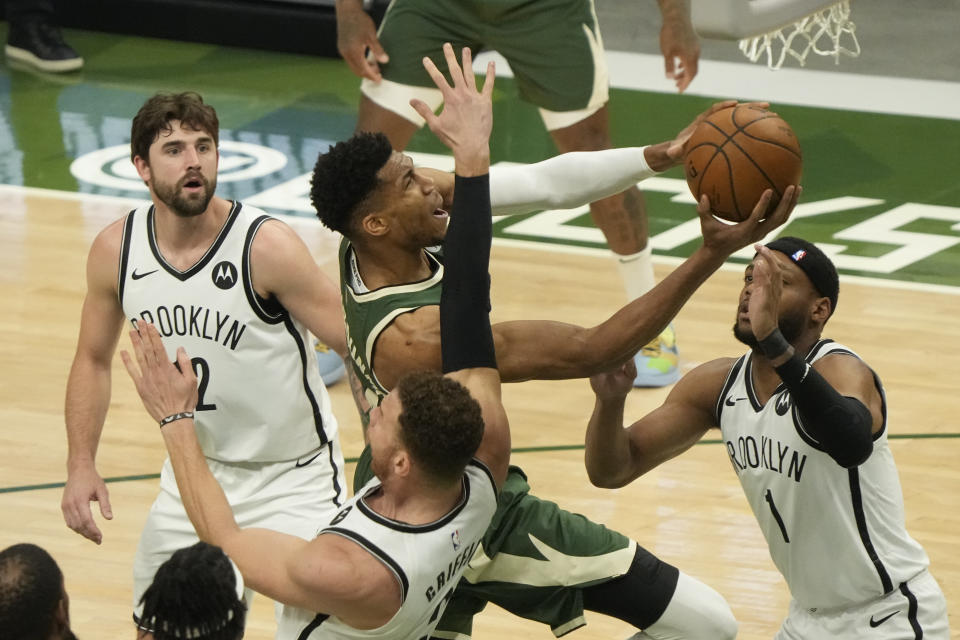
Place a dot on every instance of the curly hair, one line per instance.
(440, 425)
(194, 595)
(345, 177)
(31, 587)
(156, 114)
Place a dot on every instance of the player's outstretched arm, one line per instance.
(554, 350)
(615, 456)
(467, 349)
(272, 563)
(88, 387)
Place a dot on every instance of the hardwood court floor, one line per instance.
(690, 512)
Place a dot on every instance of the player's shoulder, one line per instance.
(109, 241)
(711, 372)
(705, 381)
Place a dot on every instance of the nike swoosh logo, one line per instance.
(137, 276)
(303, 464)
(877, 623)
(730, 401)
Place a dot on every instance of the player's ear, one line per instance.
(821, 310)
(143, 168)
(374, 224)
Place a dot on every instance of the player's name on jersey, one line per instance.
(768, 453)
(196, 321)
(444, 578)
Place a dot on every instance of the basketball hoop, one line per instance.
(776, 29)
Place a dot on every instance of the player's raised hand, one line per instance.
(165, 388)
(356, 34)
(466, 119)
(726, 238)
(765, 287)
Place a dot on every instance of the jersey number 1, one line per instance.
(776, 516)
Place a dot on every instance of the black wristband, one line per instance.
(774, 345)
(176, 416)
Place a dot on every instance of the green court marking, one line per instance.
(546, 449)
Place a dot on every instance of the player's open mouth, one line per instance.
(440, 213)
(193, 184)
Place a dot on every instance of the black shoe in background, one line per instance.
(40, 45)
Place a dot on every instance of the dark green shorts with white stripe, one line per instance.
(534, 561)
(552, 45)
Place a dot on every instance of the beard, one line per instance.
(791, 326)
(182, 205)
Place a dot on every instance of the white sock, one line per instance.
(636, 270)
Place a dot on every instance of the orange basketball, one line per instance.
(736, 154)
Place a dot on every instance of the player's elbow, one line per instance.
(605, 477)
(853, 452)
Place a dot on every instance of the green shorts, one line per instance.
(534, 561)
(553, 46)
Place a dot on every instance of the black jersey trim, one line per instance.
(125, 242)
(310, 628)
(396, 525)
(207, 256)
(336, 475)
(857, 503)
(269, 310)
(475, 462)
(378, 553)
(306, 362)
(748, 384)
(912, 609)
(727, 386)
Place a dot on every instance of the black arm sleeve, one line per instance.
(842, 425)
(466, 338)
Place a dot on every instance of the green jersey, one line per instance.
(368, 313)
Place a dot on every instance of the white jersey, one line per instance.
(261, 397)
(427, 561)
(837, 535)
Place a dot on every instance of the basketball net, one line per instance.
(826, 32)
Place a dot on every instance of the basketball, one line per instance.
(736, 154)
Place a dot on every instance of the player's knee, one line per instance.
(696, 612)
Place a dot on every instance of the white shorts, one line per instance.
(298, 497)
(916, 609)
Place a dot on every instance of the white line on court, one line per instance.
(302, 222)
(804, 87)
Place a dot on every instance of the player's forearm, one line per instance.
(623, 334)
(86, 404)
(343, 6)
(607, 453)
(203, 498)
(573, 179)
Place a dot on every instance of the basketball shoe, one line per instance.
(330, 364)
(40, 45)
(657, 362)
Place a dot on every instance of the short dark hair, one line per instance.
(31, 587)
(156, 114)
(194, 595)
(440, 425)
(345, 176)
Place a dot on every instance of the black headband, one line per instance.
(813, 262)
